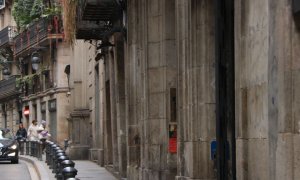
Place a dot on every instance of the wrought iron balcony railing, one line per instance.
(38, 32)
(8, 88)
(6, 36)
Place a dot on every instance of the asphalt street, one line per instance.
(10, 171)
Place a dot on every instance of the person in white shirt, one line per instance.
(32, 134)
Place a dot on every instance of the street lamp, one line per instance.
(35, 60)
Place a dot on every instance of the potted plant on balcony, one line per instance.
(45, 70)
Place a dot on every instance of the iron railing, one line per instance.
(8, 88)
(50, 27)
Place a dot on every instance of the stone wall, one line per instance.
(267, 73)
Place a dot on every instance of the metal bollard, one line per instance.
(51, 154)
(49, 143)
(54, 158)
(64, 164)
(58, 165)
(34, 143)
(57, 172)
(31, 148)
(39, 150)
(35, 148)
(21, 147)
(57, 155)
(27, 147)
(69, 172)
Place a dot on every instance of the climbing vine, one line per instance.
(69, 20)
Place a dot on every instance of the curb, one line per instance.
(41, 172)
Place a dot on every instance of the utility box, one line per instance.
(296, 7)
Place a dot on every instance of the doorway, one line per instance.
(108, 139)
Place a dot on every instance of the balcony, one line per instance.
(6, 36)
(95, 17)
(37, 34)
(8, 89)
(98, 10)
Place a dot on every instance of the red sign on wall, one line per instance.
(26, 111)
(173, 138)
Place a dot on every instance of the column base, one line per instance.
(79, 152)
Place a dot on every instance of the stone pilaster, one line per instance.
(196, 83)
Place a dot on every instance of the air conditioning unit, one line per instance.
(2, 4)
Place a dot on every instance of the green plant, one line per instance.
(19, 82)
(50, 11)
(26, 80)
(37, 9)
(27, 11)
(21, 12)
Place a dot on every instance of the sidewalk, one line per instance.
(86, 169)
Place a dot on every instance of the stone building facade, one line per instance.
(168, 59)
(10, 116)
(28, 94)
(146, 107)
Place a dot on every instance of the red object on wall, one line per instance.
(26, 111)
(173, 138)
(173, 145)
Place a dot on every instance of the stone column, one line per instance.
(152, 71)
(283, 97)
(113, 109)
(133, 77)
(196, 88)
(120, 101)
(252, 34)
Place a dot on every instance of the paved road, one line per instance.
(14, 171)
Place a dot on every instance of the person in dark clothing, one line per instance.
(21, 133)
(21, 137)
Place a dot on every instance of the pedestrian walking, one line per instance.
(21, 137)
(32, 131)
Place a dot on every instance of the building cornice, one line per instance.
(47, 92)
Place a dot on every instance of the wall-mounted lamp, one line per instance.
(35, 60)
(68, 71)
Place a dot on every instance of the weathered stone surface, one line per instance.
(252, 159)
(284, 156)
(296, 156)
(157, 104)
(154, 55)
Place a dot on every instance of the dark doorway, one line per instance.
(97, 106)
(225, 90)
(109, 149)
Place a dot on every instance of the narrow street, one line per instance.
(10, 171)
